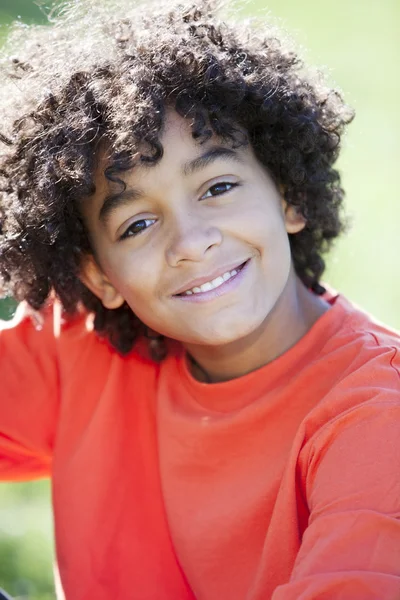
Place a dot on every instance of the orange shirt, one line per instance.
(283, 484)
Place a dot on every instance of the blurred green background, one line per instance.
(358, 41)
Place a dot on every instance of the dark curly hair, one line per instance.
(107, 73)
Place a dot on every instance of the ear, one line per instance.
(97, 282)
(294, 220)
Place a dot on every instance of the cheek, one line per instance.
(262, 225)
(266, 231)
(134, 276)
(138, 278)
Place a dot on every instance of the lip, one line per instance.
(213, 275)
(221, 290)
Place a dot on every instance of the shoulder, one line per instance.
(351, 438)
(366, 351)
(361, 363)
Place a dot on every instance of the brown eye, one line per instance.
(218, 189)
(136, 228)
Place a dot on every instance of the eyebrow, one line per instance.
(201, 162)
(114, 201)
(117, 200)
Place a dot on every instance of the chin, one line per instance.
(228, 334)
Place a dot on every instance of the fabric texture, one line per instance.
(283, 484)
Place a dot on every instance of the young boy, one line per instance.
(217, 425)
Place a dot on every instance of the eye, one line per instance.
(137, 227)
(218, 189)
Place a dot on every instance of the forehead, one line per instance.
(182, 156)
(178, 142)
(176, 131)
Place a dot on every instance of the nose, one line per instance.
(191, 239)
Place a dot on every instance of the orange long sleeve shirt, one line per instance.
(283, 484)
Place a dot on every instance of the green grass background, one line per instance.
(358, 42)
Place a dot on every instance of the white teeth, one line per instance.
(211, 285)
(217, 281)
(206, 287)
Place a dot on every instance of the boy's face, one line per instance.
(187, 221)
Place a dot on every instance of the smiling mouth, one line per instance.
(214, 283)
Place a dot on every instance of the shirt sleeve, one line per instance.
(29, 396)
(351, 547)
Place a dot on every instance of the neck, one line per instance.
(293, 315)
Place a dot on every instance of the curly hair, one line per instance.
(107, 72)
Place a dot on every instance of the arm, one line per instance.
(351, 474)
(28, 397)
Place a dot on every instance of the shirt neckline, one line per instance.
(235, 394)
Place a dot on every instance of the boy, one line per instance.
(216, 423)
